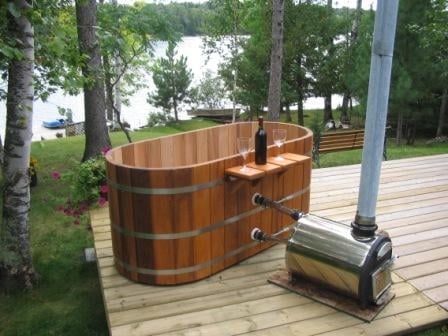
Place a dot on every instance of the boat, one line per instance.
(54, 124)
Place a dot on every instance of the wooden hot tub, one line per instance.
(177, 217)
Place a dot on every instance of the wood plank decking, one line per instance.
(412, 207)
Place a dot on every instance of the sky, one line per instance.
(336, 3)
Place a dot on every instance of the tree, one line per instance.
(209, 91)
(275, 76)
(252, 64)
(16, 265)
(301, 42)
(357, 79)
(328, 68)
(172, 79)
(412, 74)
(127, 35)
(96, 133)
(224, 28)
(434, 41)
(350, 41)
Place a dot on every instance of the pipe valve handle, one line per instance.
(259, 200)
(257, 235)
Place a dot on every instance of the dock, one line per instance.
(412, 207)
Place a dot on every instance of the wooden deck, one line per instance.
(412, 207)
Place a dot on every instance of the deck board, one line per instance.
(412, 206)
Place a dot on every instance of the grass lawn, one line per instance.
(67, 300)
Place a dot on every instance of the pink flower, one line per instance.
(55, 175)
(76, 222)
(104, 150)
(104, 189)
(102, 201)
(76, 213)
(68, 211)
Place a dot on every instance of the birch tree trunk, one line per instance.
(275, 78)
(16, 264)
(97, 135)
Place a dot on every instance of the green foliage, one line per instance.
(86, 181)
(172, 79)
(252, 63)
(185, 18)
(210, 92)
(357, 79)
(127, 35)
(159, 119)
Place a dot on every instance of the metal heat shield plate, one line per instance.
(328, 297)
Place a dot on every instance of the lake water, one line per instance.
(137, 113)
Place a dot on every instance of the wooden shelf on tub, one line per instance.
(272, 166)
(249, 174)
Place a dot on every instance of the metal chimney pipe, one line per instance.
(364, 224)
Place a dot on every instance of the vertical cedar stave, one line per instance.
(190, 159)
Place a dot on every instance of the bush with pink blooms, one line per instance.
(88, 187)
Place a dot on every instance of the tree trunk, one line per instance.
(288, 113)
(1, 152)
(300, 118)
(16, 263)
(344, 108)
(443, 108)
(121, 124)
(235, 71)
(410, 132)
(118, 65)
(353, 37)
(275, 77)
(175, 110)
(96, 133)
(328, 112)
(399, 127)
(109, 88)
(235, 77)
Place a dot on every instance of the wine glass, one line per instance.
(243, 145)
(279, 136)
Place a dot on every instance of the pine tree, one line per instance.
(172, 79)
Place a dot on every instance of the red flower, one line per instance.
(55, 175)
(104, 189)
(102, 201)
(76, 222)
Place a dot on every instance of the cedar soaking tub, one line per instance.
(176, 215)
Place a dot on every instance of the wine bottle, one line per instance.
(261, 143)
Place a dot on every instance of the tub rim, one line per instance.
(108, 155)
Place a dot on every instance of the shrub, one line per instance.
(88, 187)
(159, 119)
